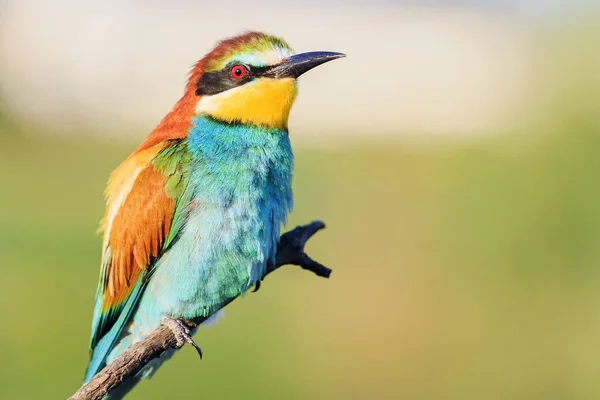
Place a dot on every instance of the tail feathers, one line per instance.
(108, 341)
(98, 360)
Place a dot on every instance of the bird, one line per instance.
(193, 216)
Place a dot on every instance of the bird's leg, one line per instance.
(181, 333)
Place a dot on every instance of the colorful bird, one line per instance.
(193, 215)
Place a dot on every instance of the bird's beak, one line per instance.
(298, 64)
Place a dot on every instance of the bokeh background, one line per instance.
(454, 155)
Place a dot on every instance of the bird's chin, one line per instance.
(264, 102)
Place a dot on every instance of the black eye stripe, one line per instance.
(219, 81)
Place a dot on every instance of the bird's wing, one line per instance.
(147, 201)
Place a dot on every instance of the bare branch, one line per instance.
(289, 252)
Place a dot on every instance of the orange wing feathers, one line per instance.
(138, 217)
(137, 234)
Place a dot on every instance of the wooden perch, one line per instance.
(289, 252)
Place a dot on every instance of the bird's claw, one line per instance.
(181, 333)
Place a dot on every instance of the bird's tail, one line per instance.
(108, 341)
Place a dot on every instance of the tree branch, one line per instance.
(290, 251)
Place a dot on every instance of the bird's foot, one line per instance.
(181, 333)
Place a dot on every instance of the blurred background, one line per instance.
(454, 155)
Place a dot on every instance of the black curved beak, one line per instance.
(298, 64)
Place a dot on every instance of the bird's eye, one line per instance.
(238, 71)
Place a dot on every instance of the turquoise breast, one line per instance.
(240, 179)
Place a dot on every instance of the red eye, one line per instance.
(238, 71)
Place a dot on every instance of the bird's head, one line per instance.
(251, 79)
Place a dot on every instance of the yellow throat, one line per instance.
(264, 102)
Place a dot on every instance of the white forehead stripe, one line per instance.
(265, 58)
